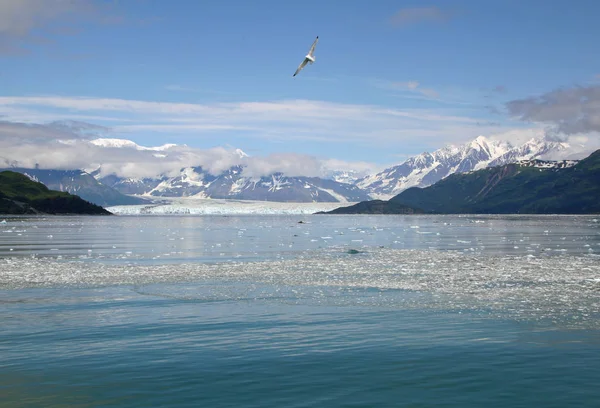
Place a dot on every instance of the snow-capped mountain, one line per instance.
(130, 185)
(428, 168)
(344, 176)
(534, 148)
(232, 184)
(179, 176)
(339, 185)
(124, 143)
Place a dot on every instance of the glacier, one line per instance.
(199, 206)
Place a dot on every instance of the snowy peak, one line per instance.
(483, 144)
(127, 144)
(428, 168)
(532, 149)
(241, 153)
(163, 147)
(343, 176)
(117, 143)
(489, 148)
(422, 160)
(480, 141)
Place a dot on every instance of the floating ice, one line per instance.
(558, 287)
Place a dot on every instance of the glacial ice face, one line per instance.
(223, 207)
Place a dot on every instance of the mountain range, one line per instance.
(428, 168)
(103, 187)
(524, 187)
(196, 182)
(342, 185)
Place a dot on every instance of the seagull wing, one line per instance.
(312, 48)
(302, 65)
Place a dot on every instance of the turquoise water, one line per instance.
(261, 311)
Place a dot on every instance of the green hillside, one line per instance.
(21, 195)
(80, 183)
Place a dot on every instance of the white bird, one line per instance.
(310, 57)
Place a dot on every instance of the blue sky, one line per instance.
(392, 78)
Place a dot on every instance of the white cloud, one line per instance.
(58, 146)
(580, 146)
(20, 19)
(518, 136)
(280, 120)
(409, 86)
(67, 144)
(291, 164)
(362, 168)
(568, 111)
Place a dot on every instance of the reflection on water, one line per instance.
(208, 238)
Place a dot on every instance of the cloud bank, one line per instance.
(566, 111)
(76, 145)
(27, 21)
(277, 121)
(36, 130)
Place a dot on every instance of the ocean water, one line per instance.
(300, 311)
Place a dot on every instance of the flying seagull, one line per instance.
(308, 58)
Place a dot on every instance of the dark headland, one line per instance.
(21, 195)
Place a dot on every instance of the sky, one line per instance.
(392, 78)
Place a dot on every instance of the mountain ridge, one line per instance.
(232, 184)
(528, 187)
(101, 184)
(427, 168)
